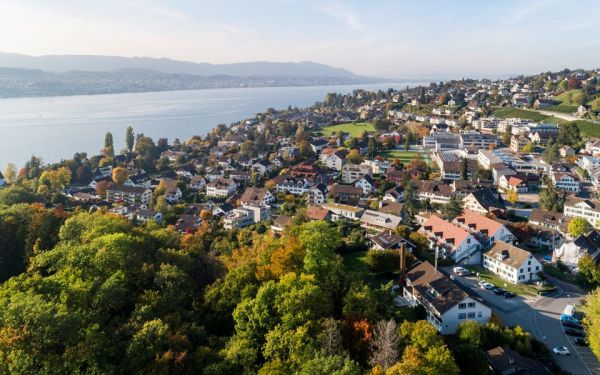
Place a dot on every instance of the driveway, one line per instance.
(541, 317)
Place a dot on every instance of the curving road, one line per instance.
(541, 317)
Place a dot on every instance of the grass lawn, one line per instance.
(510, 112)
(404, 156)
(588, 128)
(570, 97)
(521, 289)
(563, 108)
(354, 129)
(357, 262)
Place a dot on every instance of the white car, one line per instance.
(461, 271)
(486, 285)
(561, 350)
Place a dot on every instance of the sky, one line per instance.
(383, 38)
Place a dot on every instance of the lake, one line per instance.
(55, 128)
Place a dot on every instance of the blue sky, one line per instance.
(396, 39)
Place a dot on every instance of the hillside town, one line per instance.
(478, 199)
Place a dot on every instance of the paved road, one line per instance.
(541, 317)
(563, 116)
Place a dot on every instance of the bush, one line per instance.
(383, 261)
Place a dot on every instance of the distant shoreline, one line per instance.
(403, 82)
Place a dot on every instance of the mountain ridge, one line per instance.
(97, 63)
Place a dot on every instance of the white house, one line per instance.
(569, 253)
(197, 183)
(342, 210)
(352, 172)
(588, 209)
(333, 159)
(451, 241)
(257, 197)
(129, 194)
(316, 195)
(221, 187)
(366, 183)
(565, 181)
(511, 263)
(446, 303)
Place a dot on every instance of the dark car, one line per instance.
(499, 291)
(509, 294)
(574, 332)
(580, 342)
(569, 324)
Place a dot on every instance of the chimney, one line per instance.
(402, 263)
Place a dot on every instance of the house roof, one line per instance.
(253, 195)
(389, 240)
(447, 231)
(509, 361)
(436, 287)
(380, 219)
(394, 208)
(345, 189)
(592, 203)
(316, 213)
(489, 198)
(547, 217)
(479, 223)
(510, 255)
(590, 241)
(126, 189)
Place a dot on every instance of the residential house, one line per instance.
(592, 146)
(345, 193)
(240, 176)
(334, 159)
(352, 172)
(511, 263)
(484, 201)
(588, 209)
(318, 144)
(343, 211)
(447, 304)
(146, 215)
(565, 181)
(245, 216)
(379, 221)
(571, 252)
(505, 361)
(517, 143)
(318, 213)
(280, 223)
(566, 151)
(130, 194)
(172, 192)
(378, 166)
(434, 191)
(394, 208)
(388, 240)
(451, 241)
(485, 229)
(366, 183)
(221, 187)
(395, 194)
(317, 195)
(291, 184)
(262, 167)
(197, 183)
(257, 197)
(188, 223)
(546, 219)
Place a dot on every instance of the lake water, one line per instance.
(54, 128)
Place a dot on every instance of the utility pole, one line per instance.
(402, 263)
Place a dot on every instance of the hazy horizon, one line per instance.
(433, 39)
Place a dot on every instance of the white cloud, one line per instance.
(342, 12)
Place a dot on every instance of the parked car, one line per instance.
(461, 271)
(569, 324)
(561, 350)
(580, 341)
(569, 318)
(574, 332)
(486, 285)
(509, 294)
(499, 291)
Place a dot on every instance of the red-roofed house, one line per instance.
(486, 229)
(451, 241)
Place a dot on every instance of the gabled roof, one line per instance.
(590, 241)
(508, 254)
(253, 195)
(479, 223)
(445, 230)
(389, 240)
(489, 198)
(436, 287)
(316, 213)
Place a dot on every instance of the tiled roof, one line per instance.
(478, 222)
(511, 255)
(447, 231)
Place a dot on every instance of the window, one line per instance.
(462, 306)
(471, 315)
(471, 305)
(468, 240)
(462, 316)
(537, 268)
(479, 314)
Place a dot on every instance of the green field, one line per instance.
(354, 129)
(404, 156)
(510, 112)
(570, 97)
(563, 108)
